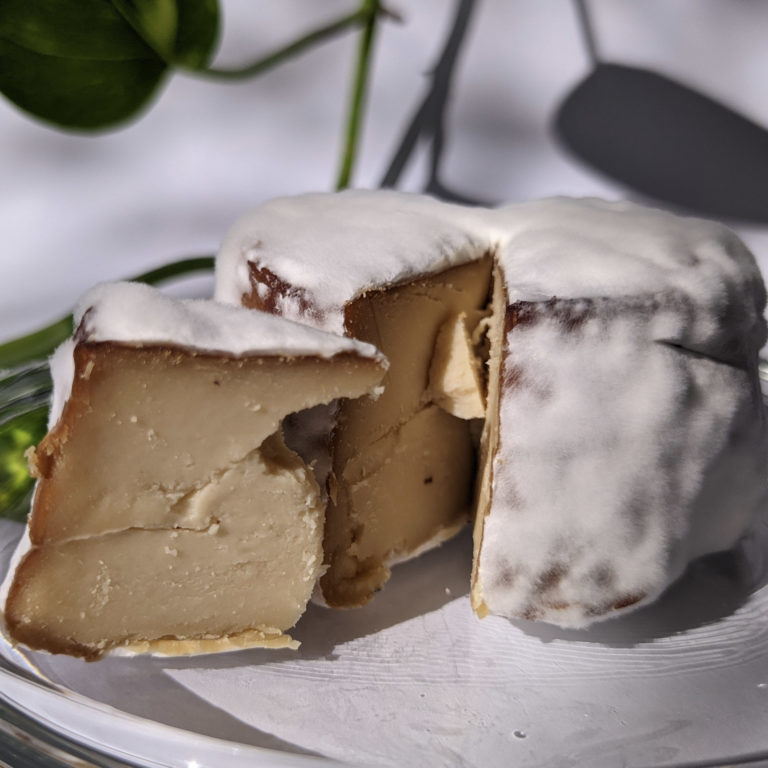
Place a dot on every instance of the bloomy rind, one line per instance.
(697, 282)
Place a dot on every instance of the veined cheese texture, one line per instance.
(624, 431)
(169, 515)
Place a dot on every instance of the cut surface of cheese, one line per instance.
(624, 429)
(403, 467)
(169, 515)
(456, 379)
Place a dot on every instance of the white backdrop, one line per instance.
(75, 210)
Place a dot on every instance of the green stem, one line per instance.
(369, 10)
(35, 345)
(41, 343)
(281, 54)
(175, 269)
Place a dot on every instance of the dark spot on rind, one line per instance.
(569, 314)
(512, 497)
(603, 575)
(627, 600)
(550, 578)
(556, 605)
(217, 382)
(428, 480)
(637, 515)
(531, 613)
(513, 376)
(624, 601)
(81, 333)
(572, 314)
(276, 288)
(506, 577)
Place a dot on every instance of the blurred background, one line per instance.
(665, 101)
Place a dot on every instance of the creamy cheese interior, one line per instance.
(170, 515)
(403, 465)
(456, 380)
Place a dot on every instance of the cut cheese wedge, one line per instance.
(170, 516)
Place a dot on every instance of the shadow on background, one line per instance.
(668, 142)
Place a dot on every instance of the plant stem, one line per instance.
(281, 54)
(176, 269)
(587, 31)
(369, 11)
(35, 345)
(41, 343)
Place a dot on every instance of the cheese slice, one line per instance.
(170, 516)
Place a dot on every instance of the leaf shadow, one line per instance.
(667, 142)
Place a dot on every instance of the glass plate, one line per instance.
(415, 678)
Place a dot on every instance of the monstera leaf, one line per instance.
(91, 64)
(668, 141)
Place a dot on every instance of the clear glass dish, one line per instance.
(415, 678)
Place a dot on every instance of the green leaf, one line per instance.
(91, 64)
(156, 22)
(182, 32)
(78, 29)
(84, 94)
(77, 63)
(197, 33)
